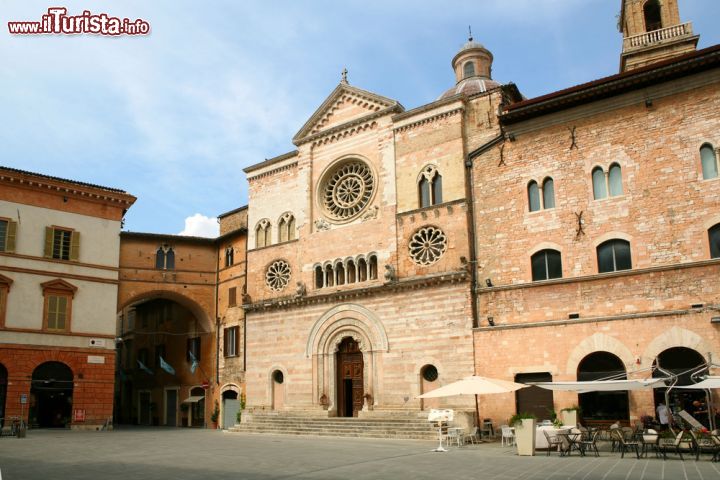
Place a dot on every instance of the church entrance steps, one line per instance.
(402, 428)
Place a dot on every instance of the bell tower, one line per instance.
(652, 32)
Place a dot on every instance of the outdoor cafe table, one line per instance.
(540, 440)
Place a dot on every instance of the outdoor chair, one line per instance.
(472, 437)
(590, 443)
(453, 436)
(554, 442)
(703, 444)
(674, 446)
(625, 445)
(487, 429)
(507, 436)
(650, 439)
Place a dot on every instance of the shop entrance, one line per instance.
(51, 395)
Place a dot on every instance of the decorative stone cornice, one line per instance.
(268, 173)
(413, 283)
(344, 131)
(430, 119)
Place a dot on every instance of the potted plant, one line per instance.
(215, 415)
(570, 415)
(524, 424)
(238, 417)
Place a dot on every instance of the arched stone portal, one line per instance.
(51, 395)
(366, 331)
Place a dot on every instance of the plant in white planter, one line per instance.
(524, 424)
(570, 415)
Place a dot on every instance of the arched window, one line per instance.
(160, 259)
(604, 406)
(709, 161)
(262, 233)
(229, 256)
(170, 259)
(599, 187)
(615, 180)
(546, 264)
(319, 277)
(653, 20)
(714, 236)
(614, 255)
(286, 227)
(165, 258)
(351, 273)
(533, 196)
(340, 274)
(548, 193)
(373, 268)
(329, 276)
(468, 70)
(429, 187)
(424, 192)
(362, 270)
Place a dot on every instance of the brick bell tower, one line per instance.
(652, 32)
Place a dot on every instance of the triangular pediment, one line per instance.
(59, 285)
(345, 105)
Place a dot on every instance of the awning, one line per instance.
(709, 382)
(194, 399)
(602, 385)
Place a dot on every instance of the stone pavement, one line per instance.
(158, 453)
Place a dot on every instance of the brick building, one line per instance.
(59, 247)
(571, 236)
(180, 326)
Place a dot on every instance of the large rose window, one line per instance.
(346, 190)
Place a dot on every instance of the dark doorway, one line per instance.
(682, 361)
(601, 407)
(51, 395)
(535, 400)
(144, 413)
(198, 408)
(171, 408)
(350, 378)
(3, 392)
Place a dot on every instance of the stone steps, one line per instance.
(402, 428)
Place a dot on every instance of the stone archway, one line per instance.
(330, 330)
(51, 395)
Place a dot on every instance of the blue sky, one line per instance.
(174, 117)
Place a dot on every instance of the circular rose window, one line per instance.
(346, 190)
(278, 275)
(427, 245)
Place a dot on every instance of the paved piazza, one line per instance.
(190, 454)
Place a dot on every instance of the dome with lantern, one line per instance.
(473, 70)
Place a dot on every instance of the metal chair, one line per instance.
(625, 445)
(453, 436)
(590, 443)
(487, 428)
(704, 445)
(552, 441)
(674, 446)
(472, 437)
(507, 435)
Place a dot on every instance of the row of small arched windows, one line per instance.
(612, 256)
(609, 183)
(286, 230)
(351, 270)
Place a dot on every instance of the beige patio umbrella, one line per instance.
(474, 385)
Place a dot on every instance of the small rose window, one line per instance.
(427, 245)
(278, 275)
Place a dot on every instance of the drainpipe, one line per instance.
(217, 318)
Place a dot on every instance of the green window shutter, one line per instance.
(49, 234)
(75, 246)
(11, 234)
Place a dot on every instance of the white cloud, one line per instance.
(201, 226)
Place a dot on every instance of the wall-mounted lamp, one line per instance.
(491, 321)
(488, 282)
(715, 320)
(648, 102)
(511, 137)
(573, 316)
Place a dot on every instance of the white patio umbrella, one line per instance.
(474, 385)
